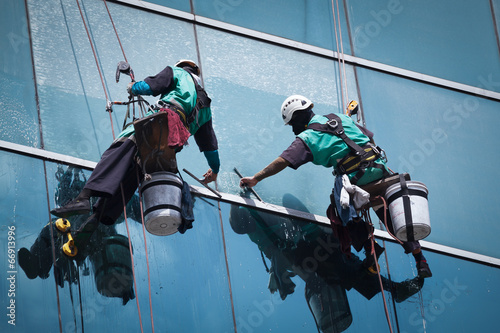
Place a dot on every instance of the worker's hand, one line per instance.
(248, 182)
(129, 88)
(209, 177)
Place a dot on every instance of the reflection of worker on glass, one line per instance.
(307, 250)
(107, 250)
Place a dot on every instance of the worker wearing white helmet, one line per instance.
(336, 141)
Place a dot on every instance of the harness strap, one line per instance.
(202, 101)
(334, 126)
(359, 159)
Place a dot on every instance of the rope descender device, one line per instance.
(69, 247)
(124, 67)
(352, 108)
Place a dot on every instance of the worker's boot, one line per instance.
(423, 269)
(77, 206)
(74, 207)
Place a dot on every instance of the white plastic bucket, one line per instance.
(409, 210)
(161, 196)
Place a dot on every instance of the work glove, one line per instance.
(359, 196)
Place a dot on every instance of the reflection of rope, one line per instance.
(146, 250)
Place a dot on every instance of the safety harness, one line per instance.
(202, 101)
(359, 158)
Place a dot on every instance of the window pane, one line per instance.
(97, 286)
(290, 275)
(439, 137)
(19, 116)
(310, 22)
(454, 40)
(246, 100)
(70, 88)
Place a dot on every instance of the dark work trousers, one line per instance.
(359, 232)
(116, 169)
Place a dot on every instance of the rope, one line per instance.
(131, 257)
(146, 249)
(385, 219)
(116, 32)
(53, 246)
(372, 240)
(389, 277)
(340, 53)
(79, 72)
(97, 64)
(227, 264)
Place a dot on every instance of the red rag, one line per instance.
(177, 132)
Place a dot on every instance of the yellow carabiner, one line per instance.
(62, 225)
(69, 247)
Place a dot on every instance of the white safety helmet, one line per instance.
(186, 62)
(292, 104)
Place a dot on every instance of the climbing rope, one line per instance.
(116, 32)
(97, 64)
(226, 261)
(131, 257)
(146, 249)
(371, 236)
(109, 109)
(53, 247)
(340, 53)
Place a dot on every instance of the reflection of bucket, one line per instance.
(329, 305)
(161, 196)
(409, 210)
(113, 267)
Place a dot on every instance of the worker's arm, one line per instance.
(161, 83)
(214, 163)
(207, 142)
(273, 168)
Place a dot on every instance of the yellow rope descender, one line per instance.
(69, 247)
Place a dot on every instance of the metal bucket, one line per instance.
(113, 267)
(161, 196)
(409, 210)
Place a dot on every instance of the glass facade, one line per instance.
(248, 266)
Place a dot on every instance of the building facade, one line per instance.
(426, 76)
